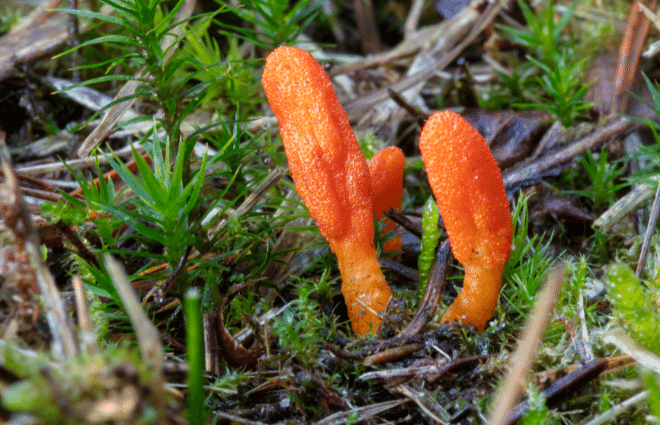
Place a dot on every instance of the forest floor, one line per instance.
(192, 284)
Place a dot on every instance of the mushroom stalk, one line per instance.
(477, 300)
(363, 285)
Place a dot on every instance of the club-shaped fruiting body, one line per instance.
(330, 174)
(468, 187)
(386, 171)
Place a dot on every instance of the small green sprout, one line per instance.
(430, 236)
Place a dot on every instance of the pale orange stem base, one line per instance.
(364, 287)
(477, 301)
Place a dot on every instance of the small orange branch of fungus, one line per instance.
(330, 174)
(386, 170)
(467, 185)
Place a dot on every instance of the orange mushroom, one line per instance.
(386, 170)
(330, 174)
(467, 185)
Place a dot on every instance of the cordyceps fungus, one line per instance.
(386, 170)
(330, 174)
(468, 187)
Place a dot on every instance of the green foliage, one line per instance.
(635, 307)
(31, 396)
(653, 386)
(165, 211)
(655, 95)
(542, 36)
(571, 298)
(602, 176)
(552, 77)
(272, 22)
(72, 214)
(233, 82)
(302, 327)
(75, 212)
(512, 87)
(370, 144)
(529, 263)
(241, 154)
(241, 304)
(29, 393)
(563, 88)
(229, 381)
(195, 350)
(538, 412)
(162, 199)
(144, 31)
(648, 156)
(430, 236)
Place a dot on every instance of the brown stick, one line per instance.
(431, 297)
(535, 171)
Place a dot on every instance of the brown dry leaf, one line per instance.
(511, 135)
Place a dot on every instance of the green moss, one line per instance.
(634, 306)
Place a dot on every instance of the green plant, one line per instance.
(529, 263)
(165, 212)
(564, 90)
(511, 87)
(195, 350)
(542, 36)
(234, 85)
(648, 156)
(602, 175)
(241, 155)
(430, 236)
(655, 95)
(162, 198)
(168, 212)
(634, 306)
(571, 306)
(73, 387)
(552, 76)
(538, 412)
(272, 22)
(653, 386)
(151, 39)
(302, 328)
(229, 381)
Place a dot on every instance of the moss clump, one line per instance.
(634, 305)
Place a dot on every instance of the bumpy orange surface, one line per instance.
(468, 188)
(330, 174)
(386, 170)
